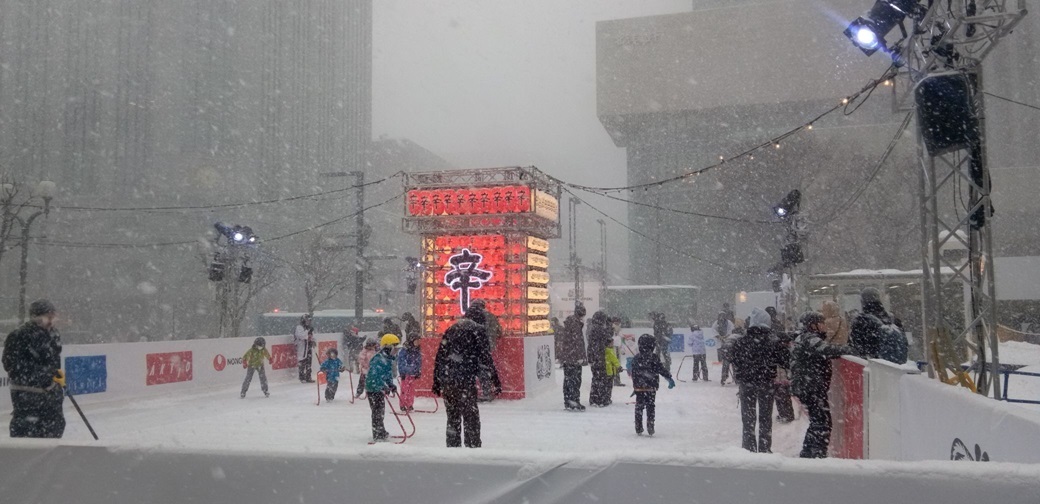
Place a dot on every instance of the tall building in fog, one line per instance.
(143, 103)
(678, 91)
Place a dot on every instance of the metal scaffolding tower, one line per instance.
(949, 40)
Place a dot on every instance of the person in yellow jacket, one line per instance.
(253, 361)
(613, 369)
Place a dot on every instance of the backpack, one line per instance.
(893, 344)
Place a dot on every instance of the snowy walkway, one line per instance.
(694, 418)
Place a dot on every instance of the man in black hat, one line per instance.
(32, 359)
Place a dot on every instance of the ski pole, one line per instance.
(81, 415)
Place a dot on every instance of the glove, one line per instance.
(671, 384)
(59, 378)
(393, 388)
(498, 390)
(436, 391)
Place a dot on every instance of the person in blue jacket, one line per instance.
(379, 381)
(332, 368)
(409, 366)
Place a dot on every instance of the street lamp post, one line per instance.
(44, 190)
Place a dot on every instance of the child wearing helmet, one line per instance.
(253, 361)
(332, 367)
(379, 381)
(364, 359)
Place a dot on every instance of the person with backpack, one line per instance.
(463, 357)
(811, 379)
(874, 332)
(756, 358)
(253, 361)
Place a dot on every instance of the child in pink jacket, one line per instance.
(364, 359)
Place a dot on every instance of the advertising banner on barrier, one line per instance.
(168, 367)
(323, 349)
(943, 422)
(680, 344)
(283, 356)
(86, 374)
(538, 363)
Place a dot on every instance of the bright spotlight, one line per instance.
(868, 33)
(865, 37)
(789, 205)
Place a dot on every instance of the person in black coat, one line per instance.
(573, 357)
(756, 358)
(646, 367)
(874, 332)
(464, 356)
(600, 333)
(811, 379)
(663, 337)
(32, 359)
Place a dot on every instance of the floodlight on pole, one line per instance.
(789, 205)
(868, 32)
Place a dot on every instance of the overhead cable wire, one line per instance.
(878, 166)
(224, 205)
(337, 219)
(773, 142)
(658, 242)
(68, 244)
(1009, 100)
(683, 212)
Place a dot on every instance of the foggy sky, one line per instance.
(486, 84)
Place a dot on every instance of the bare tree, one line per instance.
(325, 269)
(236, 290)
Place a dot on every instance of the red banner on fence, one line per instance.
(283, 356)
(168, 367)
(323, 349)
(848, 402)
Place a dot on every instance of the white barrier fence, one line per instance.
(121, 370)
(42, 472)
(909, 417)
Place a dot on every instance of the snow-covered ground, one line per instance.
(693, 418)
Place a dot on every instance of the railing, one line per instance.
(1007, 375)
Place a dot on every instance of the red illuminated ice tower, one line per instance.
(484, 236)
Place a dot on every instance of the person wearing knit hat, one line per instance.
(756, 358)
(32, 360)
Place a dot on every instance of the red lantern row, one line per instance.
(488, 200)
(472, 242)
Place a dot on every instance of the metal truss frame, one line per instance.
(954, 36)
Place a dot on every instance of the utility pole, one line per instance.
(362, 240)
(602, 251)
(573, 246)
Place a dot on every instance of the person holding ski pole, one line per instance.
(332, 367)
(646, 367)
(379, 381)
(253, 360)
(32, 359)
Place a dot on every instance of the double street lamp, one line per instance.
(44, 190)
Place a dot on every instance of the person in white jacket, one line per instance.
(699, 352)
(303, 338)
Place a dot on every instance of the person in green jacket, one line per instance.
(613, 370)
(379, 381)
(253, 361)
